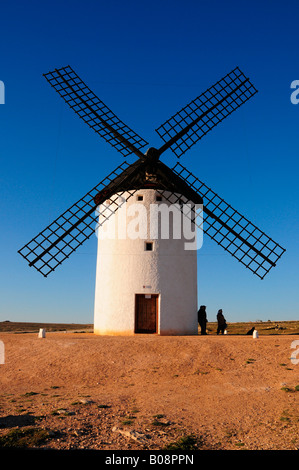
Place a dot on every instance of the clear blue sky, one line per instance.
(146, 60)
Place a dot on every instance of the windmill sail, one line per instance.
(232, 231)
(72, 228)
(94, 112)
(199, 117)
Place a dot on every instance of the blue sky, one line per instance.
(146, 60)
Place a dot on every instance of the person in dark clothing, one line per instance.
(221, 322)
(250, 332)
(202, 319)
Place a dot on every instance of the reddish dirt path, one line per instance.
(225, 390)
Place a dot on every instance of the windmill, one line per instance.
(150, 286)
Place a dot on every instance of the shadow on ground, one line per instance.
(12, 421)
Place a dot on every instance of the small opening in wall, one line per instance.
(158, 198)
(148, 246)
(139, 197)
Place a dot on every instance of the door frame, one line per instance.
(156, 296)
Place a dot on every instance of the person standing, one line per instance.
(221, 322)
(202, 319)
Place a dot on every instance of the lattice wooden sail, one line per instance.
(71, 229)
(93, 111)
(199, 117)
(229, 229)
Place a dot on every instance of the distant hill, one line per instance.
(236, 328)
(29, 327)
(263, 328)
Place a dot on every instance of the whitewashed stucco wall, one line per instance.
(124, 269)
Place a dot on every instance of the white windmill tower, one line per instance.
(146, 279)
(149, 284)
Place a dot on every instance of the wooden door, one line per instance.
(146, 311)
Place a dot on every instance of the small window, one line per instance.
(158, 198)
(148, 246)
(139, 198)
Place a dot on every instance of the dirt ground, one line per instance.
(145, 392)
